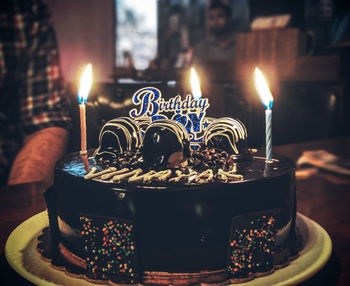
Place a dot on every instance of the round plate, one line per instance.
(21, 253)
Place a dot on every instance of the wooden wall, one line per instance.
(86, 33)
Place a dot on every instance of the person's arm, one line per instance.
(36, 160)
(44, 112)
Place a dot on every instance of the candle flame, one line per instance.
(195, 84)
(85, 84)
(262, 88)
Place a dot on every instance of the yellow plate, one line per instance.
(20, 251)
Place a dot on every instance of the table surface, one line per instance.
(324, 197)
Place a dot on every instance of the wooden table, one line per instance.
(323, 197)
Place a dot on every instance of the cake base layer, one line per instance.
(75, 266)
(121, 230)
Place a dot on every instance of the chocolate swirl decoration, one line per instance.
(166, 144)
(116, 136)
(227, 134)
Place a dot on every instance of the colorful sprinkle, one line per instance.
(109, 247)
(251, 246)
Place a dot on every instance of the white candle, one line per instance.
(84, 89)
(265, 95)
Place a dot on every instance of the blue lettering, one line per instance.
(180, 118)
(148, 98)
(203, 104)
(196, 120)
(156, 117)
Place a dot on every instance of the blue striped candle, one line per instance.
(265, 95)
(268, 117)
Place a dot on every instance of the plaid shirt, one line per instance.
(32, 92)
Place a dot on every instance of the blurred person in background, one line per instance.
(220, 45)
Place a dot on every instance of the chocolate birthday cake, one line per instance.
(171, 200)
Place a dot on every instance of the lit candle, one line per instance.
(195, 84)
(265, 95)
(84, 89)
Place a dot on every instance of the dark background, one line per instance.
(308, 105)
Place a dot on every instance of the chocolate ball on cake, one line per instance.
(228, 135)
(166, 144)
(117, 136)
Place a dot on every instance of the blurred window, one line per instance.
(136, 32)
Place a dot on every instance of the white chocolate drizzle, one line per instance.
(136, 175)
(122, 123)
(181, 176)
(112, 174)
(233, 168)
(227, 127)
(92, 174)
(143, 122)
(92, 171)
(227, 176)
(159, 176)
(139, 178)
(120, 177)
(208, 175)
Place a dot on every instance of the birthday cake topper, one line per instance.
(190, 112)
